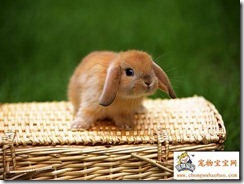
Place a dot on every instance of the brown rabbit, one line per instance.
(112, 85)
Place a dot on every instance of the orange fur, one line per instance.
(100, 87)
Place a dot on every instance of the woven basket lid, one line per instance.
(185, 120)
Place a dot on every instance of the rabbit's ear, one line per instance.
(111, 85)
(163, 81)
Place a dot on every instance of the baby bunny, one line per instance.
(112, 85)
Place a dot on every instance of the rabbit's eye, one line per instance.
(129, 72)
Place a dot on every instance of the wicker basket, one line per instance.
(37, 142)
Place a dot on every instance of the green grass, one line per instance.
(41, 42)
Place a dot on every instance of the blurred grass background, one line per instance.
(41, 43)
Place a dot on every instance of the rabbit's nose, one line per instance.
(147, 83)
(148, 80)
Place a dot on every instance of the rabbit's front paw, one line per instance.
(124, 122)
(79, 123)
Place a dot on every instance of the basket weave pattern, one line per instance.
(38, 143)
